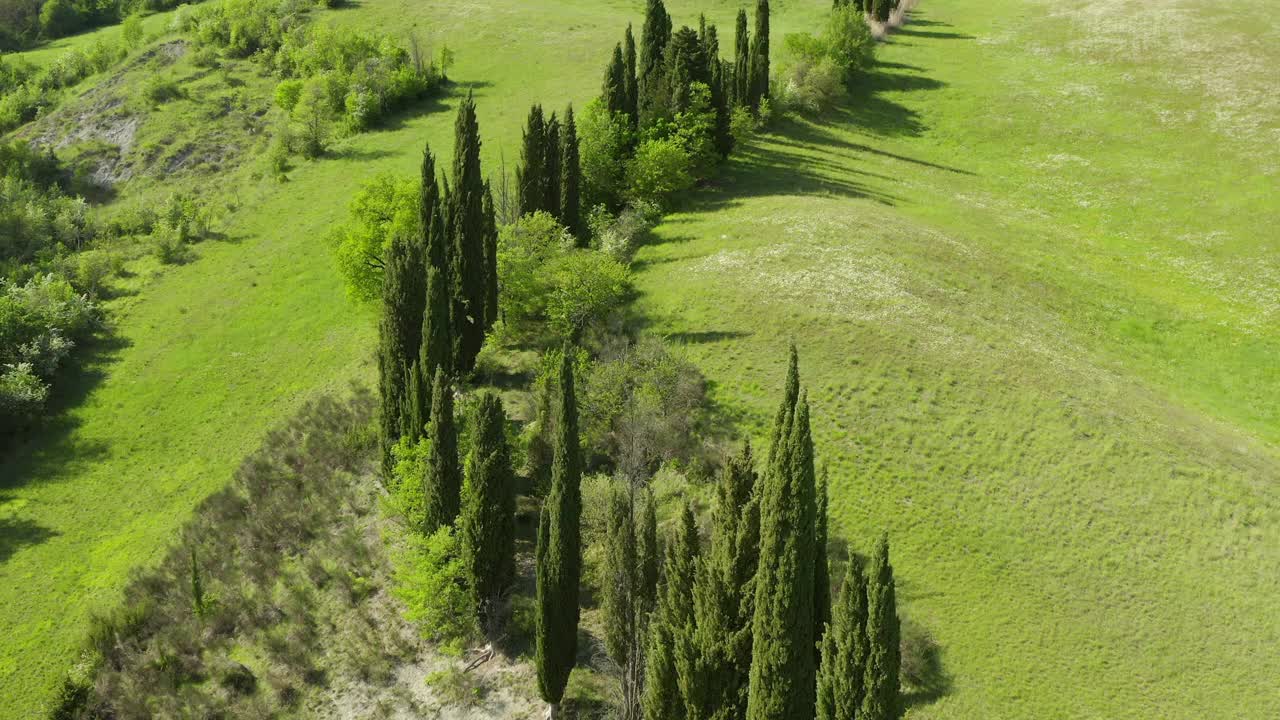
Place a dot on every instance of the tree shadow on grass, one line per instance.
(17, 533)
(49, 449)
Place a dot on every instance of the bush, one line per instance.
(288, 92)
(59, 18)
(619, 237)
(311, 116)
(383, 207)
(431, 581)
(22, 397)
(161, 89)
(641, 405)
(660, 169)
(131, 31)
(603, 142)
(588, 285)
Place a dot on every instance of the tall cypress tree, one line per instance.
(742, 62)
(393, 343)
(551, 167)
(648, 556)
(629, 69)
(559, 551)
(487, 524)
(782, 660)
(571, 179)
(821, 569)
(620, 577)
(529, 174)
(417, 406)
(468, 284)
(760, 56)
(614, 92)
(844, 650)
(442, 486)
(671, 627)
(490, 259)
(650, 80)
(719, 92)
(882, 700)
(723, 597)
(436, 353)
(685, 64)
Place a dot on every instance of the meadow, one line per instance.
(1029, 267)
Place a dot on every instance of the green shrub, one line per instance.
(587, 285)
(660, 169)
(431, 581)
(161, 89)
(288, 92)
(383, 206)
(603, 141)
(131, 31)
(22, 396)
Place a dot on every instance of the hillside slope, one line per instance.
(1033, 277)
(1040, 341)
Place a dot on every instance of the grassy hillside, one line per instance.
(1028, 269)
(1032, 275)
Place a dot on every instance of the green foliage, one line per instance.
(288, 93)
(661, 169)
(40, 321)
(559, 549)
(312, 123)
(131, 32)
(642, 405)
(587, 286)
(819, 70)
(410, 459)
(431, 580)
(487, 524)
(383, 208)
(604, 139)
(782, 661)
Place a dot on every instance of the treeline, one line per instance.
(23, 23)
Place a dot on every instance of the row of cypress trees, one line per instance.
(744, 621)
(651, 87)
(877, 9)
(549, 178)
(440, 296)
(440, 290)
(741, 629)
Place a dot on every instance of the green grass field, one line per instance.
(1031, 270)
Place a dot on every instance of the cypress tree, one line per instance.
(647, 556)
(614, 93)
(760, 56)
(633, 92)
(393, 347)
(571, 179)
(671, 627)
(742, 62)
(685, 65)
(416, 406)
(821, 569)
(551, 168)
(559, 552)
(882, 699)
(718, 71)
(436, 353)
(469, 284)
(529, 174)
(783, 678)
(490, 259)
(442, 486)
(723, 597)
(621, 573)
(882, 9)
(844, 650)
(650, 81)
(487, 524)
